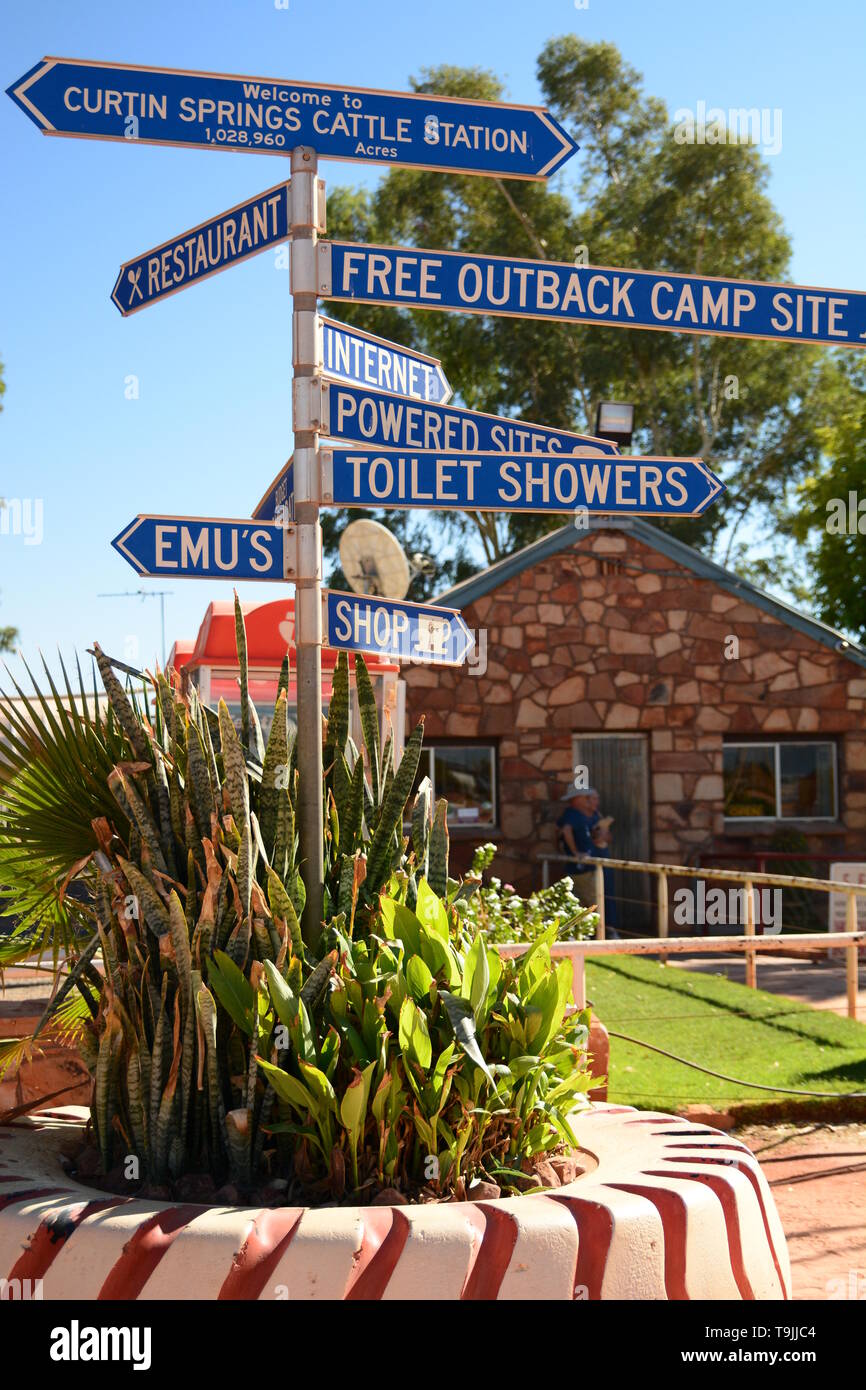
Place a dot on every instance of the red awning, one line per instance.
(270, 633)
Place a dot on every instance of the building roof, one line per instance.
(567, 537)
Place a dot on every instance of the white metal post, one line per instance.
(306, 358)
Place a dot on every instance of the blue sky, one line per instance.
(211, 425)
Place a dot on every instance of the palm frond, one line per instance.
(55, 757)
(13, 1051)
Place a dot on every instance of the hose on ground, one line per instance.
(736, 1080)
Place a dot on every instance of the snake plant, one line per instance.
(153, 846)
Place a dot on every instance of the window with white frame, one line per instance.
(465, 775)
(780, 781)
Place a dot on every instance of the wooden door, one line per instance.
(618, 767)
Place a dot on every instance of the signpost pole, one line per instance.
(308, 611)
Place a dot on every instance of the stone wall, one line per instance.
(614, 636)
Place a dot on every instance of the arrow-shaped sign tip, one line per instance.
(564, 145)
(18, 89)
(468, 638)
(119, 544)
(716, 486)
(114, 299)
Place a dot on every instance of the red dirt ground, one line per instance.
(818, 1178)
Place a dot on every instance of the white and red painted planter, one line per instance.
(672, 1210)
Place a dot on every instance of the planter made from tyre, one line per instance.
(672, 1210)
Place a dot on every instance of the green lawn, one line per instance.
(744, 1033)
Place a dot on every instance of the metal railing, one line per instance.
(664, 945)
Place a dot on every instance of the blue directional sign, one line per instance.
(226, 240)
(409, 632)
(590, 294)
(376, 418)
(212, 110)
(364, 360)
(278, 503)
(195, 547)
(517, 482)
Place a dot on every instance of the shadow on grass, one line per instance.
(853, 1072)
(680, 982)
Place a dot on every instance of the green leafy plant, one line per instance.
(505, 916)
(386, 1046)
(432, 1059)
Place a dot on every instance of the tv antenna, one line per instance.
(161, 594)
(374, 562)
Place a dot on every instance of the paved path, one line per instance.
(818, 1179)
(820, 983)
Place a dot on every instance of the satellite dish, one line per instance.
(373, 560)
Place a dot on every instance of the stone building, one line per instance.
(714, 719)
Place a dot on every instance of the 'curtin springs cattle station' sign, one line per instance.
(212, 110)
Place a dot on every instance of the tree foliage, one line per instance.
(829, 515)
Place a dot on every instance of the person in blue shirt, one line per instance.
(578, 836)
(575, 827)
